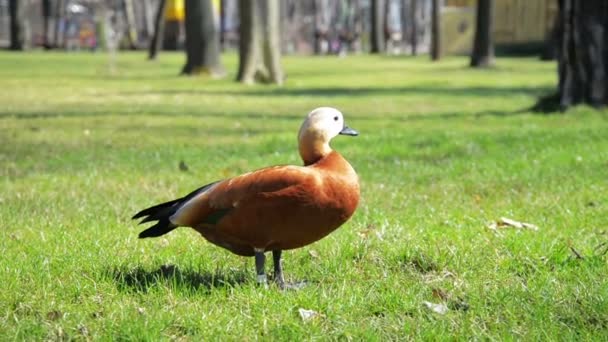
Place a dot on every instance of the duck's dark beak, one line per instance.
(348, 131)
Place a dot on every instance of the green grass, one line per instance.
(443, 151)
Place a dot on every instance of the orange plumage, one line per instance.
(274, 208)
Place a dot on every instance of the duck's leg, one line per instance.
(278, 273)
(278, 268)
(260, 260)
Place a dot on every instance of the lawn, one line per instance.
(443, 152)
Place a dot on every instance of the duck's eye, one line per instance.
(335, 118)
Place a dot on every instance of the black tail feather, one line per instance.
(153, 210)
(162, 227)
(162, 212)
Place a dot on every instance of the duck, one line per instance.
(275, 208)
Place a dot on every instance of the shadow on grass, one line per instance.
(431, 90)
(142, 280)
(256, 115)
(202, 113)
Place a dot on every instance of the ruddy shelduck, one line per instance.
(274, 208)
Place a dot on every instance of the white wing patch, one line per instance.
(187, 206)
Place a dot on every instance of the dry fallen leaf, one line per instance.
(313, 253)
(440, 308)
(363, 234)
(54, 315)
(83, 330)
(504, 222)
(451, 302)
(601, 249)
(440, 294)
(308, 315)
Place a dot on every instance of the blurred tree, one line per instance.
(147, 16)
(15, 8)
(159, 23)
(248, 35)
(350, 26)
(414, 19)
(404, 20)
(131, 27)
(46, 16)
(259, 43)
(483, 46)
(59, 15)
(322, 17)
(378, 13)
(222, 4)
(202, 39)
(436, 31)
(582, 56)
(288, 9)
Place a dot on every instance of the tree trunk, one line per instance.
(131, 28)
(249, 32)
(583, 53)
(59, 11)
(483, 47)
(321, 10)
(148, 18)
(222, 25)
(15, 8)
(271, 45)
(259, 43)
(436, 31)
(352, 26)
(159, 25)
(100, 29)
(414, 16)
(377, 40)
(405, 21)
(286, 10)
(202, 40)
(46, 19)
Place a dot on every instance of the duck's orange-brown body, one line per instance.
(275, 208)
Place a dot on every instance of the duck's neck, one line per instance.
(312, 151)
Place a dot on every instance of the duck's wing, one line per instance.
(162, 212)
(211, 205)
(155, 212)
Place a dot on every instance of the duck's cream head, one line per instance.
(320, 126)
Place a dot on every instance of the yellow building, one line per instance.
(516, 22)
(174, 10)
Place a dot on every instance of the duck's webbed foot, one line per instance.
(262, 280)
(278, 274)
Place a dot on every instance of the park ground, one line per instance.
(443, 152)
